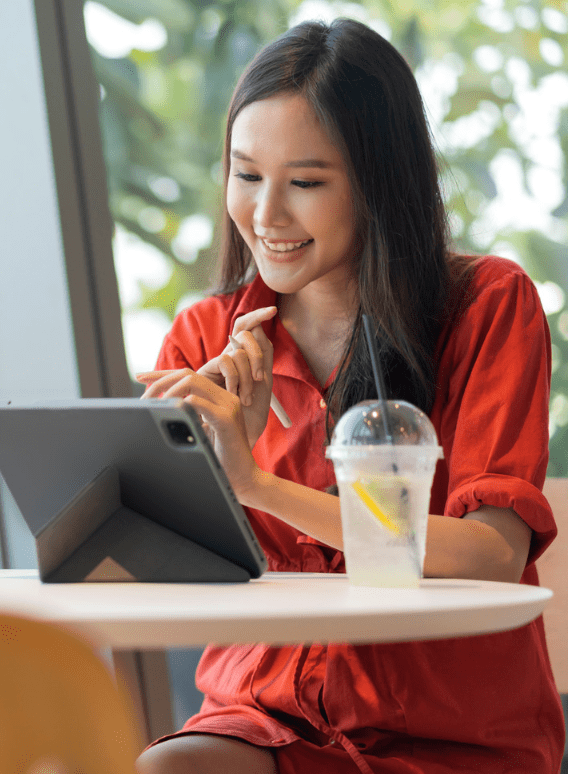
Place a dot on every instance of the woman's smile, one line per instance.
(282, 246)
(282, 251)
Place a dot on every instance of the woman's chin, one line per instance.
(280, 281)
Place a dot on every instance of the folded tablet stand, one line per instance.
(96, 537)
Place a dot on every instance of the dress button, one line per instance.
(332, 741)
(323, 404)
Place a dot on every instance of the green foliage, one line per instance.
(163, 111)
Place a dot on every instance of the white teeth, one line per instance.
(284, 247)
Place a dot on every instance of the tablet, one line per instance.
(122, 489)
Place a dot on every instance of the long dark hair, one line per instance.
(365, 95)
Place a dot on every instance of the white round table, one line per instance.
(277, 608)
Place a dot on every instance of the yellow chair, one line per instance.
(60, 709)
(552, 567)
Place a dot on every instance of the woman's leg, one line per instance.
(205, 754)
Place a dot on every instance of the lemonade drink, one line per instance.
(384, 528)
(384, 492)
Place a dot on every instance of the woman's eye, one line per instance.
(306, 183)
(250, 178)
(247, 178)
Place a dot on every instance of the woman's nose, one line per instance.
(270, 209)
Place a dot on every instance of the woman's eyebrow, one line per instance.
(299, 164)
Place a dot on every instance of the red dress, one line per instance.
(485, 703)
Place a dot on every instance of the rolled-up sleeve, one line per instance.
(494, 426)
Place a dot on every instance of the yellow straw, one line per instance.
(374, 508)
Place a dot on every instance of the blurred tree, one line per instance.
(497, 100)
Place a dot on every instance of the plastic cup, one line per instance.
(384, 474)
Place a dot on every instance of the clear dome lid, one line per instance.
(366, 425)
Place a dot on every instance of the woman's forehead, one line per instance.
(285, 126)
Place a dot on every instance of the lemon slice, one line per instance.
(377, 512)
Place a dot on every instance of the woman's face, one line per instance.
(289, 195)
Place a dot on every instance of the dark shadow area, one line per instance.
(186, 699)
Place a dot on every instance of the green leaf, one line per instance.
(185, 279)
(466, 101)
(550, 257)
(124, 93)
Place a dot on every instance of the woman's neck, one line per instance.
(320, 322)
(321, 306)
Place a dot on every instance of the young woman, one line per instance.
(333, 210)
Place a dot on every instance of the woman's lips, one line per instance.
(284, 245)
(291, 252)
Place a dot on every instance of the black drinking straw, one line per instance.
(381, 390)
(379, 378)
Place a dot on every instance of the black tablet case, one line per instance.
(110, 494)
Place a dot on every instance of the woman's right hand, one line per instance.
(245, 372)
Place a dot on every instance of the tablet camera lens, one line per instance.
(180, 434)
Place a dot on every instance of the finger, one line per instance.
(250, 320)
(266, 347)
(165, 384)
(229, 372)
(147, 377)
(182, 388)
(208, 430)
(196, 385)
(246, 384)
(211, 369)
(254, 353)
(214, 407)
(211, 415)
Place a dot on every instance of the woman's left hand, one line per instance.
(223, 414)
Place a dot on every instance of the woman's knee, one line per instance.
(205, 754)
(168, 757)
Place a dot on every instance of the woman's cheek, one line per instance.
(240, 209)
(231, 201)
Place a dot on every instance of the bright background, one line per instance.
(493, 78)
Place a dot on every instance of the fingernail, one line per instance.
(259, 376)
(248, 400)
